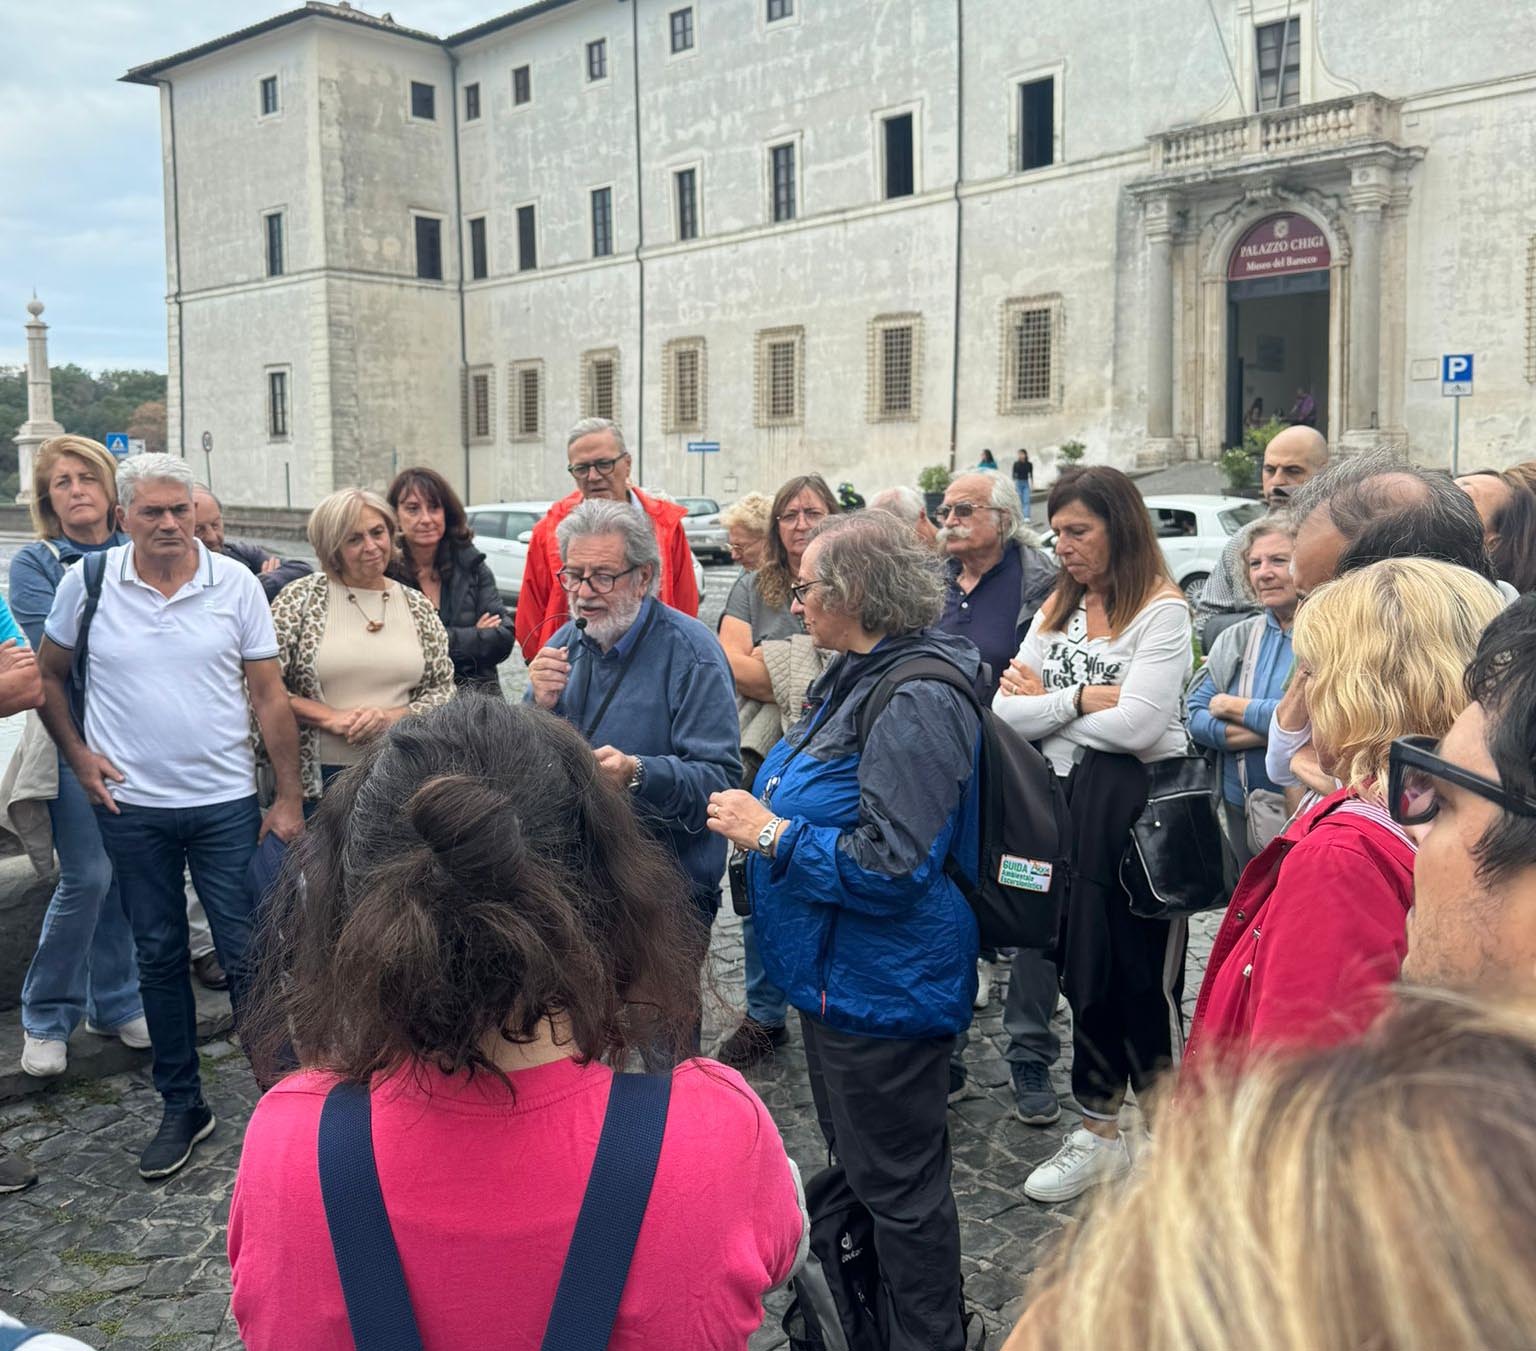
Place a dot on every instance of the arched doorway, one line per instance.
(1277, 323)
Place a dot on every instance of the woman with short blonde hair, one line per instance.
(359, 651)
(1379, 1195)
(1317, 928)
(747, 522)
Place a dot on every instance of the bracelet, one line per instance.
(1077, 701)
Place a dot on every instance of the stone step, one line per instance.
(93, 1057)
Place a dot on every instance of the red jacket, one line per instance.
(541, 604)
(1314, 934)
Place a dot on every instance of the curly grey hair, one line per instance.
(597, 516)
(1274, 523)
(873, 569)
(588, 425)
(137, 469)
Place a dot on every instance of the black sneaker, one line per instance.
(751, 1043)
(174, 1142)
(16, 1174)
(1033, 1097)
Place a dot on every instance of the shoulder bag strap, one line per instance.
(1245, 674)
(94, 570)
(618, 679)
(372, 1279)
(597, 1265)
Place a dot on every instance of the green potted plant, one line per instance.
(1237, 467)
(933, 480)
(1069, 454)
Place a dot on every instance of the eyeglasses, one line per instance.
(810, 517)
(602, 468)
(1412, 769)
(961, 511)
(799, 592)
(600, 582)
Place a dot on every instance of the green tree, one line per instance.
(83, 403)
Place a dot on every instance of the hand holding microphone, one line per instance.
(549, 672)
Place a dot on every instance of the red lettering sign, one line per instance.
(1279, 245)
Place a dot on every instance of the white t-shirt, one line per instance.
(1150, 660)
(165, 696)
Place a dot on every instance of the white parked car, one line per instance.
(706, 536)
(501, 534)
(1193, 531)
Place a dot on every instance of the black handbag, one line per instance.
(1173, 866)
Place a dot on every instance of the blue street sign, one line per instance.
(703, 447)
(1456, 374)
(117, 443)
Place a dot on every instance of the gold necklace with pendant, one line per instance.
(374, 625)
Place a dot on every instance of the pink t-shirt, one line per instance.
(482, 1192)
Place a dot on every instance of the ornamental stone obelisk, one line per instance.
(39, 425)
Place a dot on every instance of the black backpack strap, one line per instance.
(94, 568)
(372, 1280)
(608, 1225)
(918, 668)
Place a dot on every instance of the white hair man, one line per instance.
(160, 640)
(906, 504)
(649, 687)
(599, 461)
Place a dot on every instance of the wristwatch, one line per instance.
(637, 779)
(767, 835)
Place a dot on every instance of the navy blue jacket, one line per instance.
(855, 919)
(676, 711)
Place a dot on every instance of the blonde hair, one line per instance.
(337, 516)
(45, 520)
(752, 512)
(1387, 647)
(1381, 1194)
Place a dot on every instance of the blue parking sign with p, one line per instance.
(1456, 373)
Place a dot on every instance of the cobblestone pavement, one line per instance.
(94, 1250)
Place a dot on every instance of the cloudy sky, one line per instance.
(81, 218)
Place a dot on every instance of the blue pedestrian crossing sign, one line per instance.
(1456, 374)
(117, 443)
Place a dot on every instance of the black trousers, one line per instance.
(882, 1106)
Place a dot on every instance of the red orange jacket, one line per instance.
(542, 605)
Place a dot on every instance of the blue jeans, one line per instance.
(84, 963)
(765, 1001)
(150, 847)
(1023, 486)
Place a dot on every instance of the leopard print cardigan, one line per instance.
(299, 612)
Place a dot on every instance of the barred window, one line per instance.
(895, 342)
(682, 394)
(525, 391)
(1030, 380)
(480, 405)
(600, 384)
(780, 385)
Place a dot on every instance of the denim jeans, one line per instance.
(84, 963)
(149, 847)
(765, 1001)
(1023, 486)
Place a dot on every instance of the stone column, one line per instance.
(1370, 192)
(1159, 220)
(39, 425)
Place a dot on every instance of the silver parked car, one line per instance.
(706, 536)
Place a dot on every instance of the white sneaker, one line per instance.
(133, 1034)
(43, 1058)
(1083, 1161)
(983, 984)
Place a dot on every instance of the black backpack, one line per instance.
(1020, 877)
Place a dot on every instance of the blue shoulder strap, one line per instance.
(602, 1247)
(11, 1338)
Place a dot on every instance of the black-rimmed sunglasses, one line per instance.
(1412, 768)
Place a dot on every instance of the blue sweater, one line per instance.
(1271, 670)
(675, 711)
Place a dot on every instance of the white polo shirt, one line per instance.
(165, 696)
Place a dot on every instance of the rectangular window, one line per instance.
(527, 244)
(1029, 375)
(780, 391)
(429, 248)
(274, 224)
(472, 103)
(277, 404)
(479, 262)
(597, 60)
(1037, 123)
(687, 203)
(894, 353)
(480, 406)
(522, 86)
(423, 101)
(682, 29)
(780, 9)
(899, 176)
(527, 394)
(1279, 64)
(268, 95)
(783, 161)
(600, 384)
(682, 378)
(602, 222)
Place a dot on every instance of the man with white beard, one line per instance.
(648, 686)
